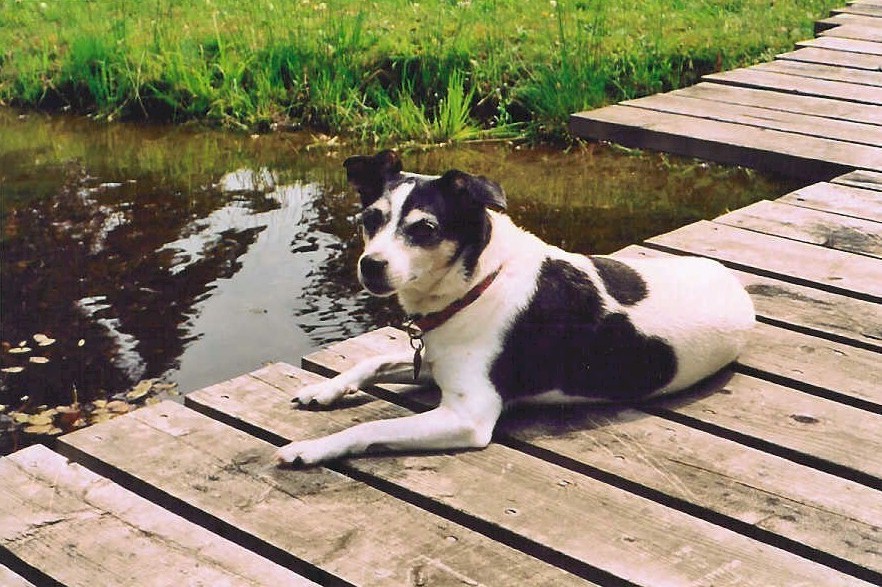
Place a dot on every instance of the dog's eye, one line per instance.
(422, 232)
(371, 221)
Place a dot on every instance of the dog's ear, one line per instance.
(479, 189)
(368, 174)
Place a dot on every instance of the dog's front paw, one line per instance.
(321, 394)
(305, 453)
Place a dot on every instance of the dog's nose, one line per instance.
(373, 269)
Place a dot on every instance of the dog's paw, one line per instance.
(321, 394)
(305, 453)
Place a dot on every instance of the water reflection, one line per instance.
(199, 255)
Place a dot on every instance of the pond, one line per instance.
(193, 255)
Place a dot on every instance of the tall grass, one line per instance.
(387, 70)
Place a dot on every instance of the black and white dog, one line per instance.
(506, 317)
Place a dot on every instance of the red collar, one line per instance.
(436, 319)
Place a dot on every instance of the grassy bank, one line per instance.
(387, 70)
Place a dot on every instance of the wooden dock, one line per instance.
(815, 112)
(769, 475)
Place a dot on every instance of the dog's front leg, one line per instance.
(447, 426)
(397, 368)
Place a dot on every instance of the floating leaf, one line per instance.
(47, 429)
(140, 390)
(39, 419)
(19, 349)
(39, 360)
(118, 406)
(20, 417)
(12, 369)
(43, 340)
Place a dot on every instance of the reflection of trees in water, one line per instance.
(333, 305)
(87, 263)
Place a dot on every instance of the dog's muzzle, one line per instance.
(372, 272)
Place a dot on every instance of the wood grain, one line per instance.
(81, 529)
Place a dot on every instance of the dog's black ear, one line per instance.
(479, 189)
(368, 174)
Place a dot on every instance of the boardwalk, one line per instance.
(769, 475)
(813, 113)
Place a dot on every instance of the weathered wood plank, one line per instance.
(803, 86)
(752, 116)
(809, 157)
(844, 273)
(862, 9)
(533, 497)
(842, 439)
(860, 178)
(834, 370)
(830, 57)
(862, 20)
(81, 529)
(316, 519)
(844, 45)
(10, 579)
(807, 105)
(822, 71)
(840, 198)
(805, 309)
(826, 229)
(857, 32)
(839, 435)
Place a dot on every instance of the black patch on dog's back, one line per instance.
(624, 284)
(565, 340)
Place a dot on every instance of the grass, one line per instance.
(381, 71)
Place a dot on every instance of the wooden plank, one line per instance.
(809, 157)
(839, 198)
(857, 32)
(523, 482)
(861, 179)
(801, 124)
(805, 309)
(822, 430)
(842, 233)
(836, 20)
(823, 71)
(757, 78)
(830, 57)
(862, 9)
(318, 519)
(830, 369)
(844, 273)
(81, 529)
(838, 438)
(845, 45)
(809, 105)
(10, 579)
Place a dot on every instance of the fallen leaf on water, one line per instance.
(118, 406)
(39, 419)
(48, 429)
(19, 349)
(43, 340)
(20, 418)
(39, 360)
(140, 390)
(12, 369)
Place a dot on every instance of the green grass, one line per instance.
(381, 71)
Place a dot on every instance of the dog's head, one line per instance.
(418, 227)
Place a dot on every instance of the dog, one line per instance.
(502, 317)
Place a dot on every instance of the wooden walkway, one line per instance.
(814, 113)
(770, 475)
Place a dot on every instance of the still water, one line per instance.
(196, 255)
